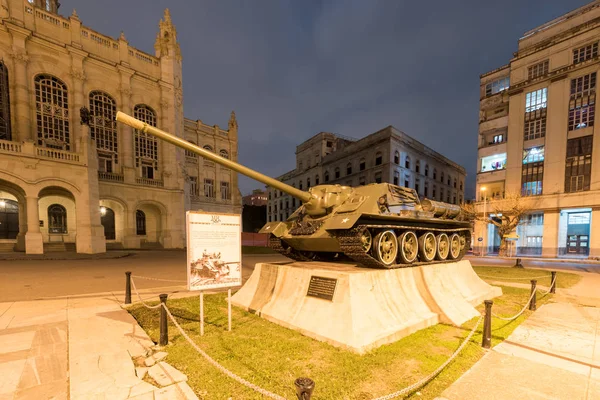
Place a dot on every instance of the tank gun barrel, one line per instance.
(305, 197)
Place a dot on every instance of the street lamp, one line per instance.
(483, 189)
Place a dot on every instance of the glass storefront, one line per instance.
(574, 232)
(531, 232)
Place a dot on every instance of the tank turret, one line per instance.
(378, 225)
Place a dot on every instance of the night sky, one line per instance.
(293, 68)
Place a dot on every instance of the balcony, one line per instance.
(149, 182)
(110, 177)
(29, 149)
(491, 176)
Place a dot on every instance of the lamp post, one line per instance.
(483, 189)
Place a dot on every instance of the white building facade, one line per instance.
(69, 181)
(387, 155)
(537, 137)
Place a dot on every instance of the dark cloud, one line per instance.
(291, 69)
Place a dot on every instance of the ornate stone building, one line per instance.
(66, 184)
(387, 155)
(537, 138)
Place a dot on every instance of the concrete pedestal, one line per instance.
(369, 307)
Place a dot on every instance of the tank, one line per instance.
(377, 226)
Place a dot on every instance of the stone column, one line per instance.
(34, 243)
(550, 238)
(130, 239)
(125, 132)
(22, 109)
(20, 246)
(595, 233)
(76, 96)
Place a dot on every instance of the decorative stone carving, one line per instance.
(125, 91)
(86, 116)
(232, 121)
(19, 56)
(122, 36)
(482, 116)
(166, 38)
(179, 97)
(74, 14)
(77, 75)
(164, 104)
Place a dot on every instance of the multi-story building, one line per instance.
(74, 178)
(258, 197)
(537, 138)
(387, 155)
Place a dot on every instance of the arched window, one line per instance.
(362, 164)
(418, 166)
(316, 179)
(103, 129)
(378, 158)
(107, 218)
(442, 177)
(407, 162)
(207, 147)
(461, 186)
(426, 170)
(349, 169)
(337, 172)
(454, 183)
(5, 130)
(326, 176)
(223, 153)
(57, 219)
(397, 157)
(52, 105)
(300, 185)
(146, 146)
(308, 183)
(448, 180)
(434, 173)
(140, 222)
(190, 154)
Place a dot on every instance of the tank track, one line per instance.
(351, 245)
(275, 244)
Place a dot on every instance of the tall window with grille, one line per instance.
(5, 129)
(582, 103)
(209, 188)
(536, 104)
(584, 53)
(52, 112)
(537, 70)
(578, 167)
(226, 192)
(103, 129)
(146, 146)
(194, 186)
(532, 171)
(190, 156)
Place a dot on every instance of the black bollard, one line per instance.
(304, 388)
(518, 263)
(532, 305)
(164, 328)
(553, 283)
(128, 287)
(486, 342)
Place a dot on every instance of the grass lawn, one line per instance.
(272, 357)
(257, 250)
(524, 275)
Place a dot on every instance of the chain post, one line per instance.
(553, 284)
(486, 341)
(128, 287)
(532, 305)
(164, 327)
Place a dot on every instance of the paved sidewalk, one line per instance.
(77, 348)
(554, 354)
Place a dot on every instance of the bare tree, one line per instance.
(508, 212)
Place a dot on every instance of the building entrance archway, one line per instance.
(9, 219)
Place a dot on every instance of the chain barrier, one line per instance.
(504, 279)
(219, 366)
(520, 312)
(140, 297)
(544, 292)
(429, 377)
(157, 279)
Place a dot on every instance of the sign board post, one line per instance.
(214, 254)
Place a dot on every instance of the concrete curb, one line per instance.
(540, 259)
(63, 256)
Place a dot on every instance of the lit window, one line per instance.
(497, 86)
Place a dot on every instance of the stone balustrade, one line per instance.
(110, 176)
(29, 149)
(149, 182)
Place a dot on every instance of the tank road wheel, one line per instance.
(427, 247)
(408, 247)
(443, 246)
(386, 247)
(455, 246)
(366, 240)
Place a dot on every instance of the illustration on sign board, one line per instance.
(210, 269)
